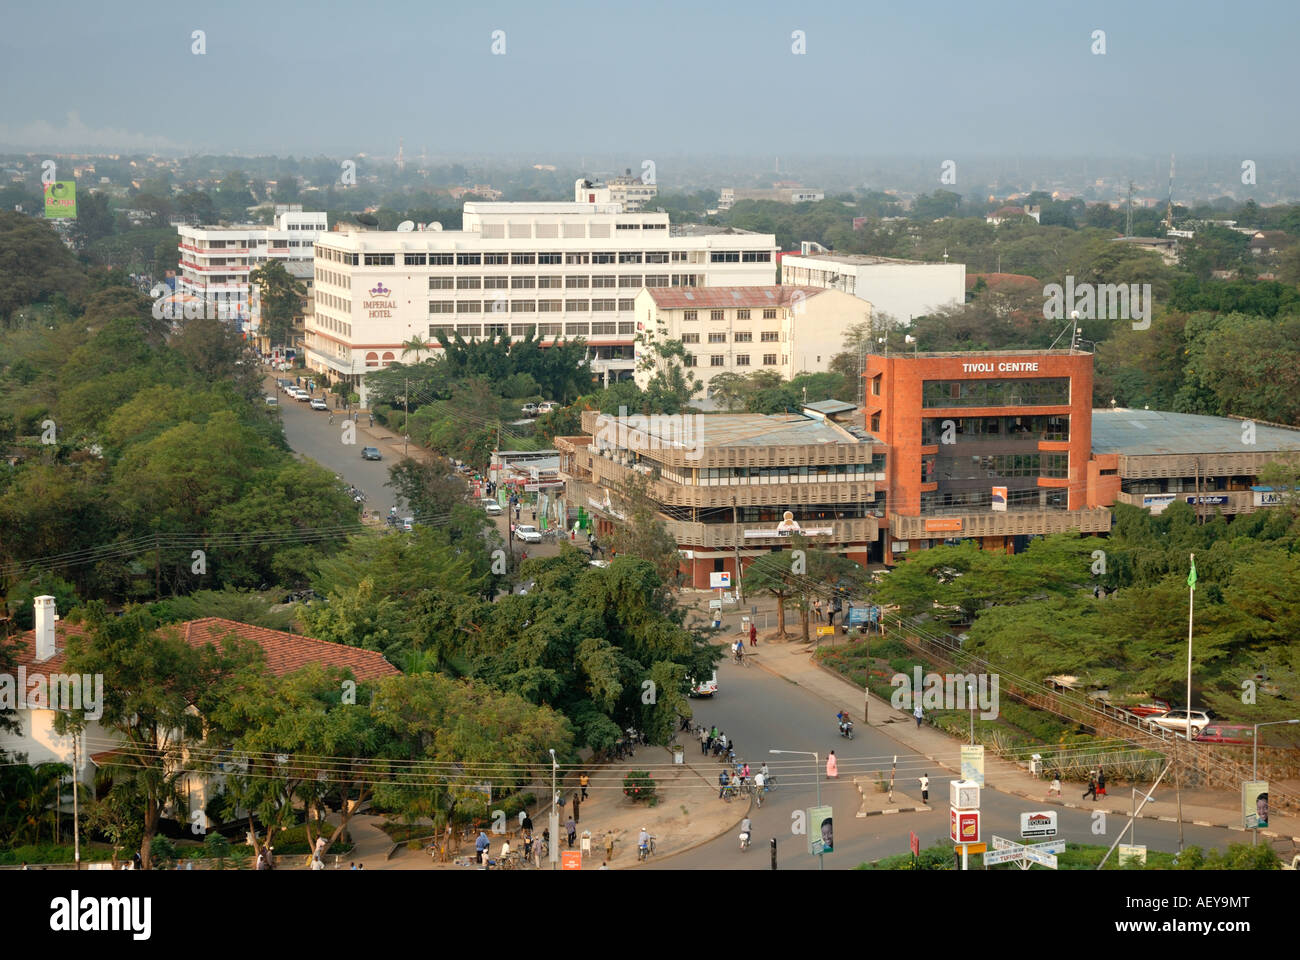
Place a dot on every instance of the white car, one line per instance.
(318, 403)
(528, 533)
(705, 688)
(1176, 720)
(598, 563)
(547, 406)
(492, 508)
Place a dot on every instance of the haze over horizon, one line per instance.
(945, 79)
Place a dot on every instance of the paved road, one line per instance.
(311, 436)
(761, 711)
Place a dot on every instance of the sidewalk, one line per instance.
(687, 815)
(792, 659)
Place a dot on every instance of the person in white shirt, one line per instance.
(925, 788)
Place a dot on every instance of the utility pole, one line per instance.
(157, 570)
(406, 423)
(735, 540)
(76, 832)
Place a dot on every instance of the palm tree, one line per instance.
(415, 345)
(33, 801)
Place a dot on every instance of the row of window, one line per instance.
(740, 336)
(468, 330)
(1052, 498)
(995, 467)
(737, 256)
(971, 429)
(501, 305)
(741, 360)
(769, 313)
(1049, 391)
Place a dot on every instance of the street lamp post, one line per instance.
(970, 695)
(817, 771)
(1254, 763)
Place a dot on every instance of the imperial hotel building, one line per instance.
(560, 269)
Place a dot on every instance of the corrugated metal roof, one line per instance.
(1159, 433)
(673, 298)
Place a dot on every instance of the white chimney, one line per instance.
(45, 618)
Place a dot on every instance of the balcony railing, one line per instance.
(688, 534)
(998, 524)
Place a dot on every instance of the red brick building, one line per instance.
(986, 446)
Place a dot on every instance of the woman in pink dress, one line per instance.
(832, 766)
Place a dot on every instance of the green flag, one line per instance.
(1191, 577)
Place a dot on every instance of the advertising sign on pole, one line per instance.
(972, 763)
(720, 580)
(1254, 804)
(821, 831)
(571, 860)
(964, 826)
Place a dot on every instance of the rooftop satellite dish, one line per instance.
(406, 226)
(434, 226)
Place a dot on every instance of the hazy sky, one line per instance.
(914, 77)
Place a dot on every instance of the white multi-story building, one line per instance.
(562, 269)
(903, 289)
(632, 192)
(215, 262)
(785, 329)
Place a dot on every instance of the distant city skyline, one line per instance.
(946, 80)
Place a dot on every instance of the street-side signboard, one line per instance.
(1002, 856)
(720, 580)
(1040, 824)
(1136, 852)
(1034, 856)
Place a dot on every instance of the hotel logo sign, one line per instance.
(380, 306)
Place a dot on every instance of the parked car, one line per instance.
(318, 403)
(528, 533)
(408, 523)
(272, 401)
(303, 395)
(529, 409)
(547, 407)
(491, 506)
(371, 453)
(1226, 733)
(598, 563)
(705, 688)
(1176, 720)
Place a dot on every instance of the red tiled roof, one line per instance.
(285, 652)
(717, 298)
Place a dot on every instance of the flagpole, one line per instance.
(1191, 602)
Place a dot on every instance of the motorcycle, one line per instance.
(846, 729)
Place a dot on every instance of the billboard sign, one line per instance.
(61, 200)
(720, 580)
(1041, 824)
(972, 763)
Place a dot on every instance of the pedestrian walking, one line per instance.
(918, 714)
(817, 610)
(481, 844)
(609, 845)
(1101, 782)
(753, 634)
(571, 827)
(723, 780)
(576, 802)
(925, 788)
(584, 781)
(832, 766)
(1055, 788)
(1092, 789)
(372, 419)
